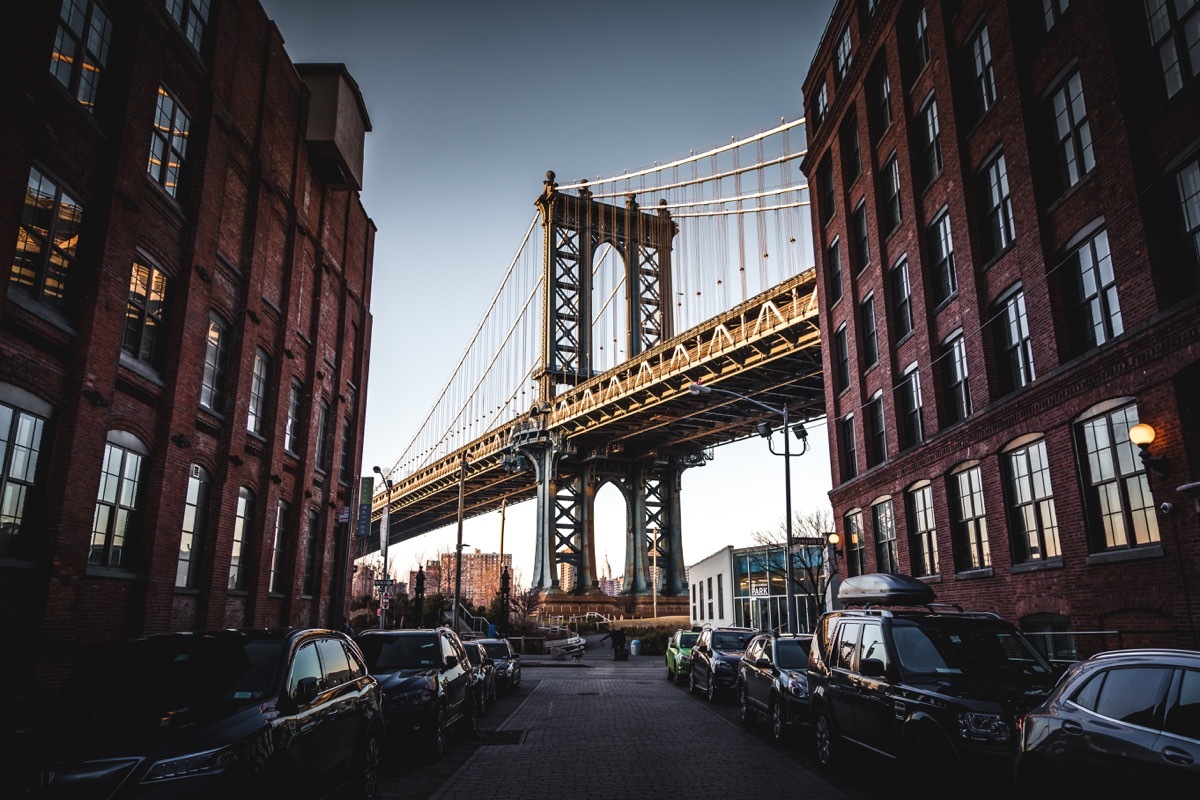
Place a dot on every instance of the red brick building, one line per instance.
(1006, 199)
(184, 329)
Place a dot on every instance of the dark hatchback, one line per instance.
(773, 681)
(715, 659)
(483, 668)
(506, 660)
(426, 680)
(267, 713)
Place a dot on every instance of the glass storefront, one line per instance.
(760, 588)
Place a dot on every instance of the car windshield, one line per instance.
(497, 649)
(473, 654)
(392, 653)
(730, 640)
(174, 675)
(965, 647)
(791, 653)
(688, 639)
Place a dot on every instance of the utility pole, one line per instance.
(462, 482)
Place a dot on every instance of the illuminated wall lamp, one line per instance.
(1143, 436)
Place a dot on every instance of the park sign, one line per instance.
(365, 487)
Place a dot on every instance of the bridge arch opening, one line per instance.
(610, 304)
(611, 531)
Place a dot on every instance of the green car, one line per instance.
(679, 655)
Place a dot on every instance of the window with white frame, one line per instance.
(1075, 155)
(46, 240)
(833, 265)
(825, 187)
(848, 456)
(255, 416)
(291, 428)
(81, 46)
(983, 72)
(923, 537)
(278, 582)
(1188, 183)
(884, 529)
(856, 546)
(912, 427)
(1097, 317)
(1121, 512)
(841, 352)
(995, 204)
(145, 313)
(1014, 348)
(971, 539)
(920, 41)
(1175, 34)
(890, 178)
(821, 109)
(1033, 520)
(216, 362)
(862, 248)
(941, 253)
(876, 432)
(954, 376)
(118, 500)
(902, 318)
(191, 540)
(867, 332)
(192, 17)
(880, 87)
(239, 568)
(842, 56)
(21, 430)
(322, 451)
(1052, 12)
(929, 142)
(168, 144)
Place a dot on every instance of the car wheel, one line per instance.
(747, 716)
(670, 673)
(692, 687)
(469, 723)
(778, 729)
(437, 736)
(710, 688)
(826, 738)
(369, 760)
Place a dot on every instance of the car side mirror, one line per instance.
(871, 668)
(762, 663)
(306, 690)
(451, 662)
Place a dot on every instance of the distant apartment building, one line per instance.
(184, 329)
(480, 575)
(1006, 206)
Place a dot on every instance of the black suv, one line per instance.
(715, 659)
(773, 681)
(931, 685)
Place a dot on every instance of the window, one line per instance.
(858, 224)
(881, 98)
(1097, 315)
(841, 351)
(1175, 34)
(1120, 509)
(923, 544)
(1189, 199)
(821, 109)
(344, 474)
(971, 543)
(710, 599)
(902, 319)
(20, 445)
(117, 500)
(833, 263)
(1031, 504)
(920, 42)
(322, 451)
(1050, 633)
(842, 56)
(890, 191)
(191, 16)
(954, 371)
(291, 428)
(216, 361)
(856, 559)
(46, 240)
(876, 433)
(929, 142)
(168, 145)
(851, 154)
(694, 616)
(849, 454)
(1075, 156)
(982, 72)
(866, 326)
(912, 429)
(278, 582)
(1014, 351)
(1052, 11)
(941, 253)
(191, 541)
(995, 202)
(80, 53)
(145, 314)
(258, 392)
(884, 525)
(238, 568)
(720, 595)
(312, 555)
(826, 188)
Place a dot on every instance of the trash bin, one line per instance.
(635, 647)
(491, 630)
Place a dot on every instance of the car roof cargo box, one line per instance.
(884, 589)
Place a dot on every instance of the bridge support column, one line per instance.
(655, 531)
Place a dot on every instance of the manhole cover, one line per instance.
(506, 737)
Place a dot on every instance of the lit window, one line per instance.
(238, 567)
(856, 548)
(216, 357)
(46, 240)
(20, 447)
(81, 46)
(168, 145)
(191, 540)
(1031, 504)
(117, 500)
(923, 544)
(1121, 511)
(145, 314)
(971, 541)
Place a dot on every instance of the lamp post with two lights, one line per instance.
(384, 535)
(764, 430)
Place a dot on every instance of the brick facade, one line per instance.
(250, 229)
(1141, 141)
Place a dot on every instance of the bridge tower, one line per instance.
(574, 228)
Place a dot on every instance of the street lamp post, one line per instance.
(462, 480)
(765, 431)
(384, 536)
(654, 574)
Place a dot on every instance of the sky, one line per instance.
(471, 102)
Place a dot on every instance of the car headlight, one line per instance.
(724, 666)
(502, 669)
(210, 762)
(685, 658)
(797, 684)
(412, 697)
(978, 726)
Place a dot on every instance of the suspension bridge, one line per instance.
(623, 293)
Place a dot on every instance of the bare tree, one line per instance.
(809, 531)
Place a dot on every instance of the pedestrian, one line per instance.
(347, 628)
(618, 642)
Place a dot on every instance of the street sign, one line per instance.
(387, 596)
(384, 581)
(384, 604)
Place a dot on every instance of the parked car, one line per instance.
(679, 654)
(507, 662)
(1124, 721)
(926, 686)
(425, 677)
(773, 681)
(209, 713)
(483, 668)
(715, 659)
